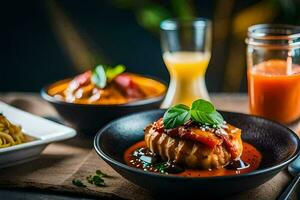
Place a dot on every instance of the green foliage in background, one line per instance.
(149, 14)
(230, 20)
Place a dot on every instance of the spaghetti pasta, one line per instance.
(10, 134)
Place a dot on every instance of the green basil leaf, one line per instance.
(202, 105)
(99, 76)
(112, 72)
(176, 116)
(216, 117)
(201, 117)
(205, 113)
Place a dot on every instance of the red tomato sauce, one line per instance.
(250, 155)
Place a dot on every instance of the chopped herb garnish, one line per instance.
(96, 179)
(89, 179)
(161, 167)
(78, 183)
(101, 174)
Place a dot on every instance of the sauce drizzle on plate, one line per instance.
(138, 156)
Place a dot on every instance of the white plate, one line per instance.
(45, 132)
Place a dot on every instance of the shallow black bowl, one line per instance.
(88, 118)
(278, 145)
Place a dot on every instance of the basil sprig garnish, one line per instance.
(103, 74)
(205, 113)
(176, 116)
(202, 112)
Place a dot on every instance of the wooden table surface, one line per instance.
(32, 102)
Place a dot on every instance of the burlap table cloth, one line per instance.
(61, 162)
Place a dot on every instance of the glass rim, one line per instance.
(252, 32)
(173, 23)
(282, 36)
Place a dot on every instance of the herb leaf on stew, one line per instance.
(99, 76)
(176, 116)
(102, 74)
(112, 72)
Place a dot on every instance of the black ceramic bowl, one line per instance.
(278, 145)
(88, 118)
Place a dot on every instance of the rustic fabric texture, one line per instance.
(61, 162)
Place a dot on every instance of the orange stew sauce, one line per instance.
(250, 155)
(111, 94)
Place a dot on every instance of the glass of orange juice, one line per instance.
(186, 46)
(273, 59)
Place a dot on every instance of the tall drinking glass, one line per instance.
(186, 47)
(273, 56)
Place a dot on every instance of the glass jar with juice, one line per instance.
(186, 53)
(273, 59)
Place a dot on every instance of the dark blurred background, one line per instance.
(47, 40)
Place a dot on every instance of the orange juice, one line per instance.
(274, 90)
(187, 74)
